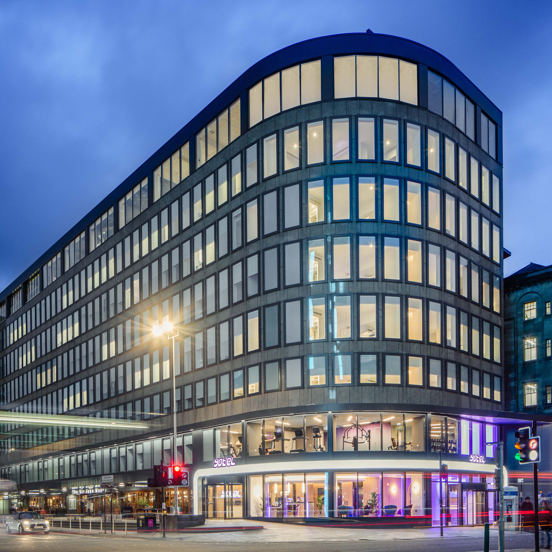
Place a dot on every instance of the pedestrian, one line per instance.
(526, 511)
(545, 518)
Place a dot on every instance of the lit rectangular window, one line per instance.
(450, 271)
(414, 203)
(317, 318)
(316, 202)
(340, 140)
(251, 171)
(463, 271)
(391, 262)
(366, 198)
(271, 102)
(367, 317)
(316, 260)
(391, 200)
(270, 156)
(252, 221)
(342, 317)
(530, 394)
(434, 322)
(291, 149)
(222, 187)
(434, 265)
(435, 373)
(496, 244)
(433, 208)
(450, 160)
(392, 318)
(315, 143)
(476, 337)
(433, 151)
(462, 169)
(450, 215)
(390, 140)
(341, 258)
(451, 327)
(198, 204)
(529, 349)
(475, 230)
(414, 261)
(496, 194)
(341, 199)
(344, 77)
(366, 139)
(415, 319)
(366, 257)
(474, 177)
(317, 370)
(413, 145)
(291, 94)
(252, 331)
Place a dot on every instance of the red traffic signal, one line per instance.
(176, 469)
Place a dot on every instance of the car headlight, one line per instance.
(47, 523)
(26, 523)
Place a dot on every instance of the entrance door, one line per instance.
(224, 501)
(215, 501)
(474, 507)
(234, 500)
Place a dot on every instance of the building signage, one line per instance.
(230, 494)
(476, 459)
(224, 462)
(107, 482)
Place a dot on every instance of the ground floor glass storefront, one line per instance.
(413, 496)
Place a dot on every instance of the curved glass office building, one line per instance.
(326, 238)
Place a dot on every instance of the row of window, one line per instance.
(340, 195)
(204, 201)
(395, 262)
(423, 321)
(129, 457)
(294, 373)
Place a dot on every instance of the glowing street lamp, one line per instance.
(169, 331)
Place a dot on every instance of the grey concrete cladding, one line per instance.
(401, 397)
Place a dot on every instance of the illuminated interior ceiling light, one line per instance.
(61, 420)
(390, 418)
(349, 418)
(318, 420)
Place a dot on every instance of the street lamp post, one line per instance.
(168, 330)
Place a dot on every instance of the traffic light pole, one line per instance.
(172, 338)
(536, 493)
(440, 494)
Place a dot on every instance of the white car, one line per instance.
(27, 522)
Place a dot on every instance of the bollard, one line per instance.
(101, 522)
(69, 523)
(486, 538)
(61, 524)
(91, 525)
(126, 521)
(80, 524)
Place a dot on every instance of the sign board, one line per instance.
(477, 459)
(107, 482)
(224, 462)
(184, 482)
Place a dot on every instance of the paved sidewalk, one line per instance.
(286, 532)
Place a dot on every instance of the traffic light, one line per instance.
(443, 470)
(161, 475)
(528, 448)
(497, 479)
(177, 472)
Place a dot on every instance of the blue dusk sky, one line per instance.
(90, 89)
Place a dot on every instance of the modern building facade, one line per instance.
(326, 237)
(528, 354)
